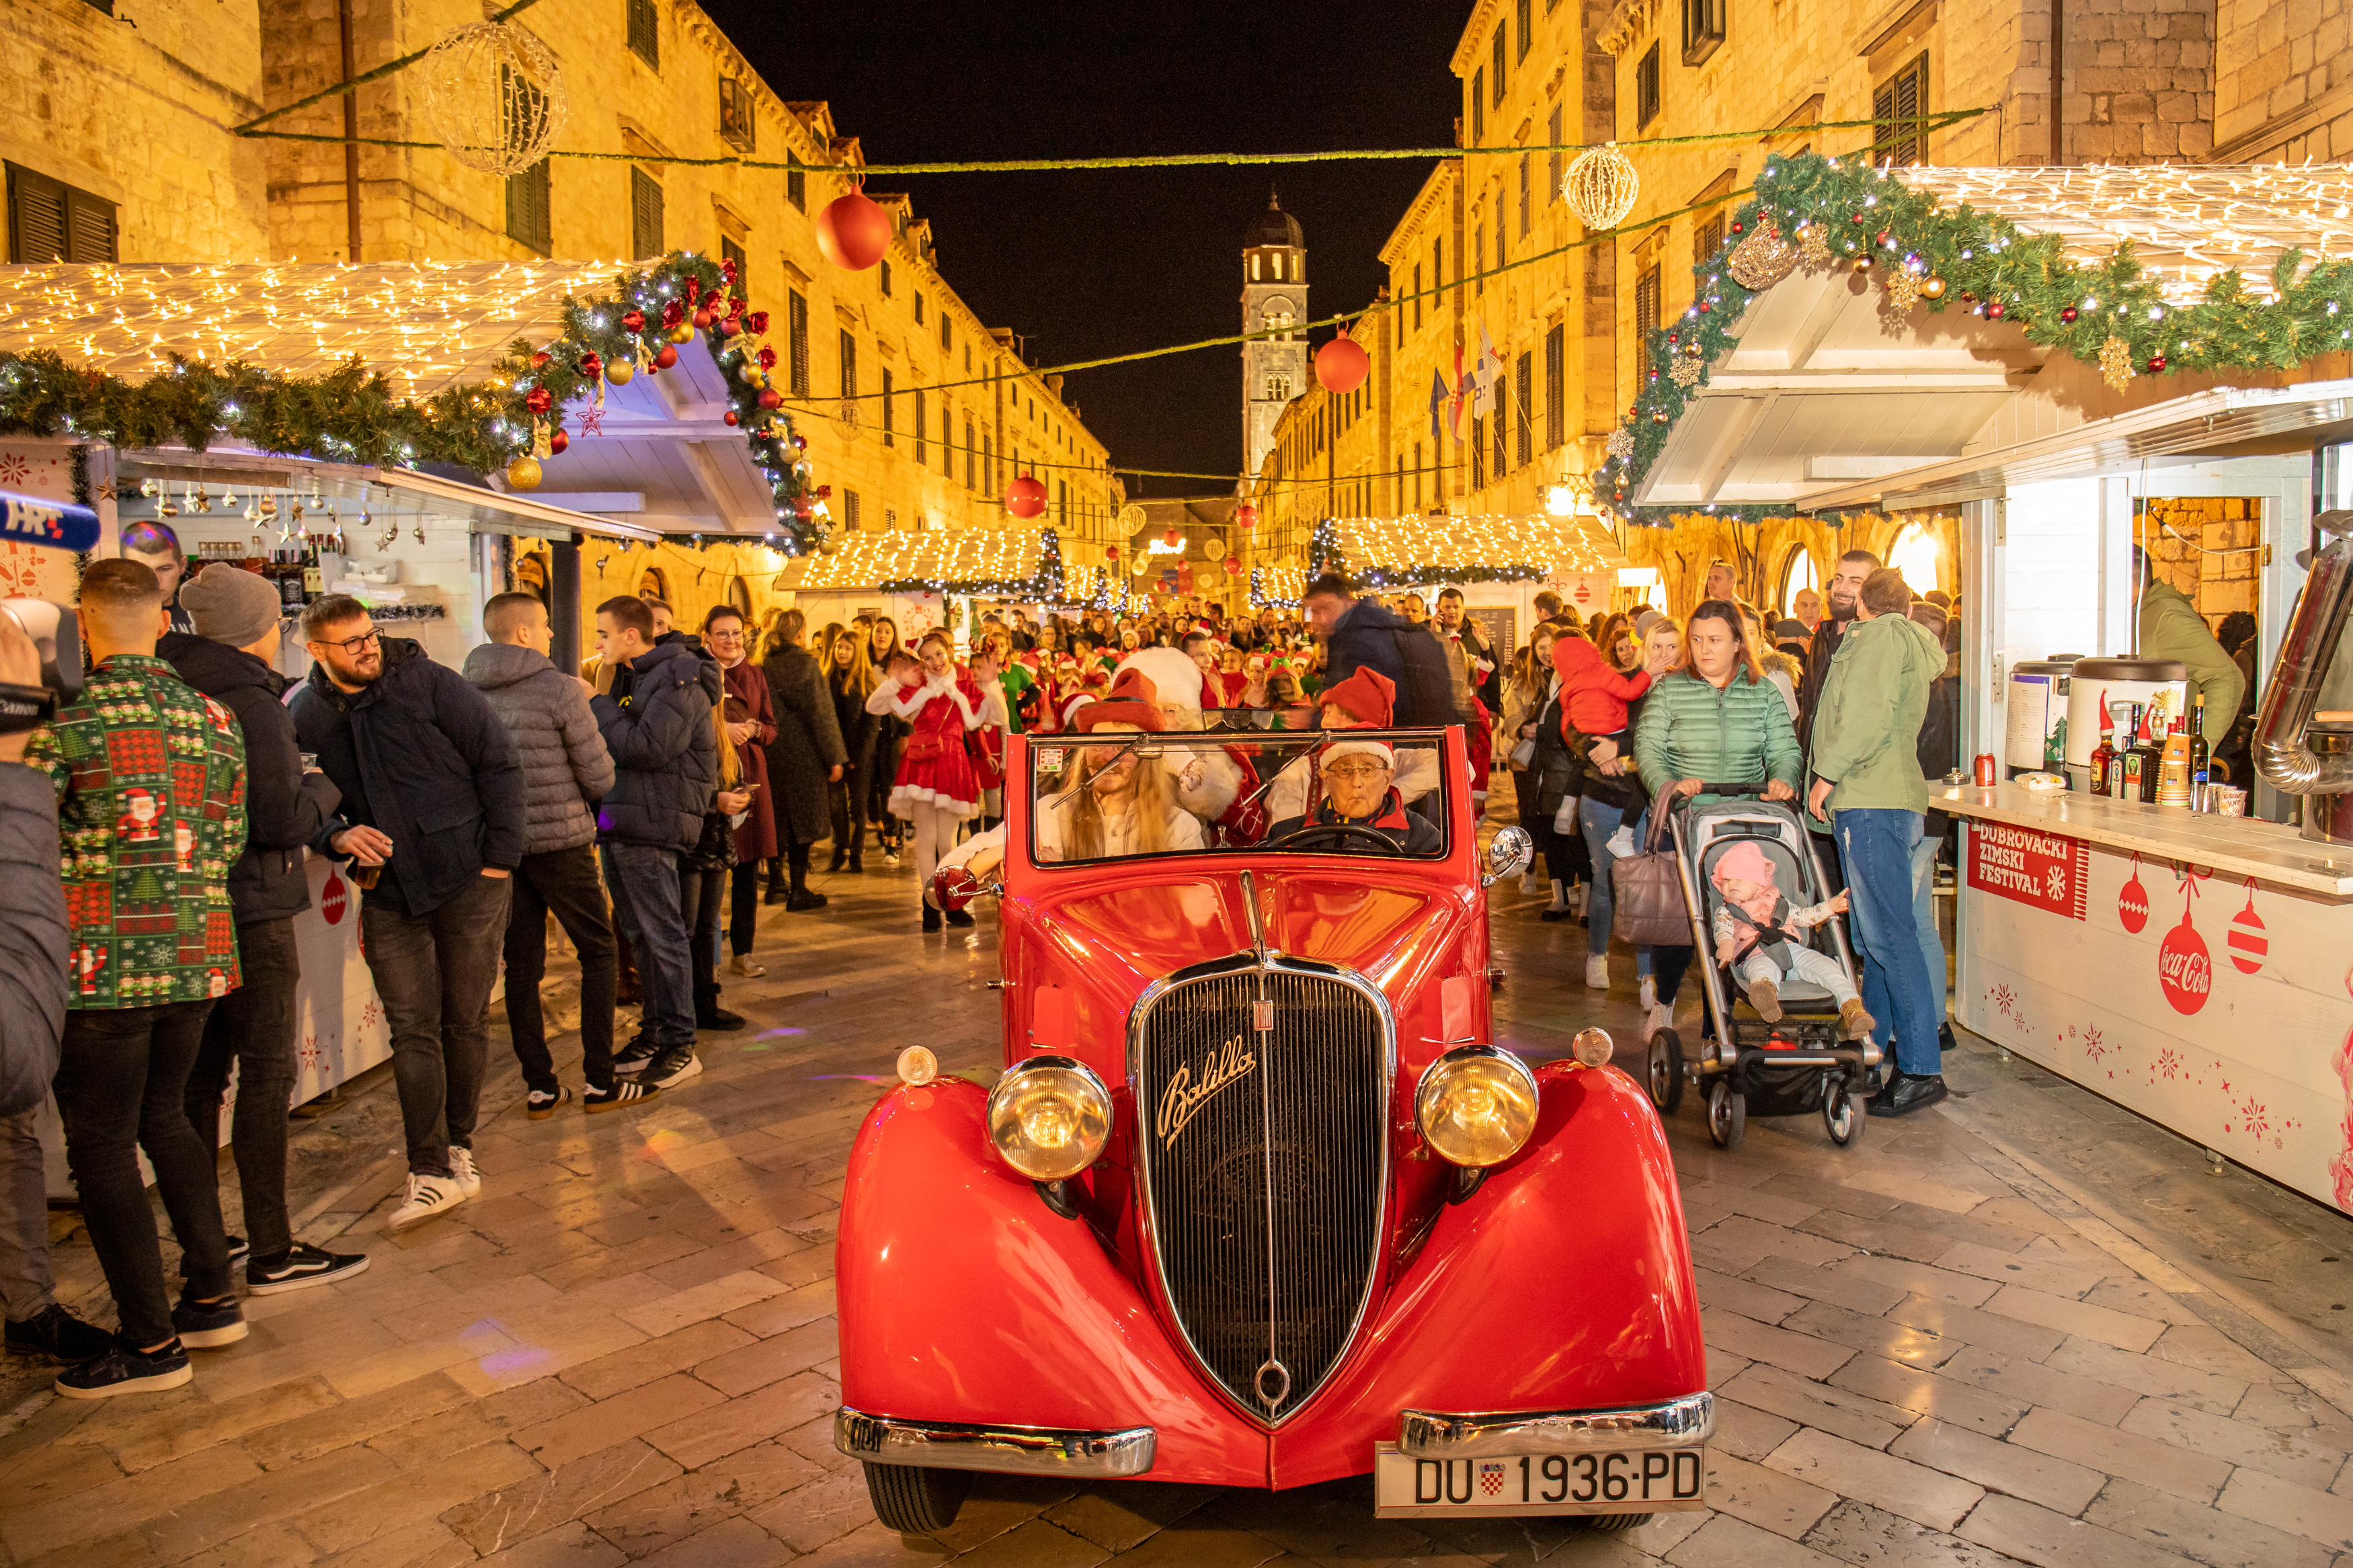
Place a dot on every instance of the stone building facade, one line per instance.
(644, 80)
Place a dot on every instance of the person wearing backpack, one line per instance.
(1361, 634)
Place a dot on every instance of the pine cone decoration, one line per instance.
(1763, 259)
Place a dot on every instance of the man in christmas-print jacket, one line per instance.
(140, 758)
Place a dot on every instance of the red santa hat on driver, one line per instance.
(1379, 750)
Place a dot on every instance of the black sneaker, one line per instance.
(633, 1058)
(541, 1103)
(303, 1265)
(625, 1091)
(958, 918)
(673, 1068)
(123, 1370)
(58, 1337)
(208, 1325)
(717, 1019)
(1906, 1093)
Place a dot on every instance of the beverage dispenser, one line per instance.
(2161, 682)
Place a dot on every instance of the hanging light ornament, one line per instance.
(494, 96)
(1600, 186)
(1025, 496)
(1245, 515)
(1342, 364)
(853, 231)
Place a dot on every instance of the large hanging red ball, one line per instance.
(1245, 515)
(853, 232)
(1233, 567)
(1025, 496)
(1173, 537)
(1342, 364)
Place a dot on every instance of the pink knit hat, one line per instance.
(1744, 861)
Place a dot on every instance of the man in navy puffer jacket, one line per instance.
(657, 724)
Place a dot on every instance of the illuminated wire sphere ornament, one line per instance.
(1025, 496)
(1342, 364)
(1600, 186)
(853, 231)
(1215, 549)
(494, 96)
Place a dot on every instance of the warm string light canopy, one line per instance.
(1484, 548)
(935, 561)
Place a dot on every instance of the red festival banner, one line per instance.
(2042, 869)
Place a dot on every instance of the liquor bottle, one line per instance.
(2201, 756)
(2150, 744)
(2104, 756)
(2128, 757)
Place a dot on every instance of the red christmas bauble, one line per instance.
(2132, 905)
(1233, 567)
(703, 319)
(853, 232)
(558, 442)
(2184, 972)
(1025, 496)
(2067, 313)
(2246, 940)
(538, 359)
(770, 399)
(1342, 364)
(1173, 537)
(1994, 310)
(2156, 364)
(1245, 515)
(731, 417)
(1111, 552)
(667, 358)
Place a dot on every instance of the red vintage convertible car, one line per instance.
(1256, 1201)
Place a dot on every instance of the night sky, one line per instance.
(1100, 262)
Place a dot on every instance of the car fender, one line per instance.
(963, 1298)
(1563, 1283)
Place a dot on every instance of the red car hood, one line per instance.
(1104, 940)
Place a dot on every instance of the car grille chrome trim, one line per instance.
(960, 1446)
(1674, 1423)
(1266, 1211)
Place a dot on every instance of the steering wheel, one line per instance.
(1341, 830)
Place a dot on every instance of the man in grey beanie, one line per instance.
(228, 658)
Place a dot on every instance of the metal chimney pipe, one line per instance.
(2315, 631)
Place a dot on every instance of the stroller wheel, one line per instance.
(1843, 1117)
(1728, 1114)
(1665, 1072)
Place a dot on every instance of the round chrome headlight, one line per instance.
(1049, 1117)
(1476, 1105)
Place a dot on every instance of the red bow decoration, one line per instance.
(591, 364)
(539, 400)
(759, 322)
(693, 289)
(734, 306)
(767, 359)
(673, 312)
(634, 320)
(727, 269)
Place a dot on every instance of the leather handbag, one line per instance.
(1648, 907)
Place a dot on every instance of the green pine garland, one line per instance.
(1985, 261)
(350, 414)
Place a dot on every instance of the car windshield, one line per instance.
(1121, 794)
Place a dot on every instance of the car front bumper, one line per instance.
(958, 1446)
(1681, 1423)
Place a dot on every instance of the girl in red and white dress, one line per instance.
(936, 789)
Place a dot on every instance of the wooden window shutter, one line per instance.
(800, 344)
(36, 218)
(644, 213)
(89, 227)
(528, 219)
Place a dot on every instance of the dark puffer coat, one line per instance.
(657, 724)
(565, 764)
(284, 806)
(807, 744)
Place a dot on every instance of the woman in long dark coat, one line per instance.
(805, 758)
(849, 677)
(752, 725)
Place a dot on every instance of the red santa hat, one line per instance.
(1132, 701)
(1368, 696)
(1380, 751)
(1171, 671)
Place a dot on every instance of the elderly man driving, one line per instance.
(1357, 779)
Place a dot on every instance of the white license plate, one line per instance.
(1654, 1480)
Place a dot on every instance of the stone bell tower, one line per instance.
(1275, 298)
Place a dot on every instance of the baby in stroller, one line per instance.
(1757, 937)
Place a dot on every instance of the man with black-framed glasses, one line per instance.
(433, 800)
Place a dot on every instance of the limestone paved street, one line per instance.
(1925, 1350)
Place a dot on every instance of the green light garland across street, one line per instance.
(2076, 309)
(349, 415)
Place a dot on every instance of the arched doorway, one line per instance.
(1917, 554)
(652, 584)
(1798, 574)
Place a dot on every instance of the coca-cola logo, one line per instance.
(2184, 972)
(2132, 905)
(334, 897)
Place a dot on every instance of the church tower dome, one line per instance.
(1274, 301)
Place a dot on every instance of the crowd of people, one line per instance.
(653, 801)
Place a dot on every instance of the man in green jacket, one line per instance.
(2171, 628)
(1867, 783)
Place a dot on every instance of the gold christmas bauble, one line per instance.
(522, 474)
(620, 373)
(750, 372)
(1932, 288)
(682, 333)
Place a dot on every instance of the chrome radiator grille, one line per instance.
(1262, 1096)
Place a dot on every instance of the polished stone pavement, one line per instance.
(2024, 1327)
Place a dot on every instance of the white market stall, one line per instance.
(2192, 967)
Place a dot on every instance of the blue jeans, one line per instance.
(1598, 820)
(1923, 916)
(644, 879)
(1875, 847)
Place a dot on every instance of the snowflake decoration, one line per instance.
(1813, 245)
(2095, 1047)
(14, 469)
(1685, 372)
(2004, 999)
(2115, 363)
(1903, 287)
(1620, 444)
(2169, 1065)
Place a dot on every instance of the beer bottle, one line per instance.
(2104, 756)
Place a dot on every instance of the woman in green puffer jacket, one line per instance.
(1715, 719)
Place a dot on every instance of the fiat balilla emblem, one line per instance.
(1182, 1098)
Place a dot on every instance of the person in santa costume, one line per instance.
(1219, 786)
(1356, 779)
(936, 790)
(1365, 700)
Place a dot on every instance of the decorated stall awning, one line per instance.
(413, 364)
(1861, 323)
(1398, 551)
(1020, 564)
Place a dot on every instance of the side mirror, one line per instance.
(953, 887)
(1511, 852)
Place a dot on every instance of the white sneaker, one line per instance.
(1621, 844)
(1596, 972)
(427, 1197)
(1646, 990)
(462, 1167)
(1661, 1017)
(1529, 885)
(741, 964)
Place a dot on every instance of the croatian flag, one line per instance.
(1437, 402)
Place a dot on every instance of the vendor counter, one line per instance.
(2196, 968)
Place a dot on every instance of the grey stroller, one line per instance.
(1787, 1068)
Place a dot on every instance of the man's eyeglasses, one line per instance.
(1354, 771)
(367, 638)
